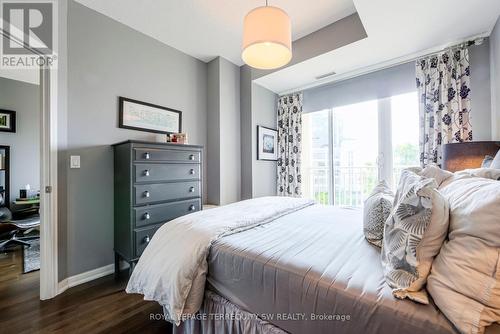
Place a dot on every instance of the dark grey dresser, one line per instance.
(154, 183)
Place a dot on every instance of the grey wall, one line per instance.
(230, 154)
(495, 80)
(264, 111)
(223, 141)
(61, 92)
(105, 60)
(258, 107)
(480, 91)
(246, 132)
(213, 133)
(24, 99)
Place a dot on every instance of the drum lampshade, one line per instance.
(267, 38)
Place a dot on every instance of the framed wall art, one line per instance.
(267, 143)
(143, 116)
(7, 120)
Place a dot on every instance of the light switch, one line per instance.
(74, 161)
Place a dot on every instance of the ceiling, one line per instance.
(397, 31)
(206, 29)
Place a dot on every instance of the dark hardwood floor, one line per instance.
(100, 306)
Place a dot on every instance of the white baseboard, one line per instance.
(88, 276)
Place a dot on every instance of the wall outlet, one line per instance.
(74, 161)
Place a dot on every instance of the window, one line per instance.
(405, 127)
(355, 148)
(346, 150)
(316, 174)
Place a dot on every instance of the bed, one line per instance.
(311, 271)
(275, 265)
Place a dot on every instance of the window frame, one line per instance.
(385, 159)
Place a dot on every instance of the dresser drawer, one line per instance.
(142, 238)
(166, 172)
(153, 154)
(151, 193)
(161, 213)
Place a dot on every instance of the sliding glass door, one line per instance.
(355, 150)
(316, 166)
(347, 149)
(405, 131)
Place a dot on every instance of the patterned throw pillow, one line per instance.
(377, 208)
(413, 235)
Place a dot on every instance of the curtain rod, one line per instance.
(463, 45)
(476, 40)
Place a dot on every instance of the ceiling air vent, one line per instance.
(326, 75)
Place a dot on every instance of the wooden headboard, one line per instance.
(460, 156)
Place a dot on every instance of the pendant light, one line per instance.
(267, 38)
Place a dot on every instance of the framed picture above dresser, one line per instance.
(143, 116)
(153, 183)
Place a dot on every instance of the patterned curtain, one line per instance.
(289, 144)
(443, 82)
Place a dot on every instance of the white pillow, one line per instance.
(465, 276)
(436, 173)
(414, 169)
(496, 161)
(487, 173)
(488, 159)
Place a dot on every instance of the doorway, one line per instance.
(39, 199)
(20, 119)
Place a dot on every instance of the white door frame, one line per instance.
(48, 176)
(49, 279)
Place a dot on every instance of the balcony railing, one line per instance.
(351, 186)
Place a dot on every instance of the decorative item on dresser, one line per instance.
(154, 183)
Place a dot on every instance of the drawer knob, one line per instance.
(147, 239)
(191, 157)
(146, 156)
(147, 216)
(146, 172)
(192, 207)
(191, 171)
(146, 194)
(191, 189)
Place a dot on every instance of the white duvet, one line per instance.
(172, 270)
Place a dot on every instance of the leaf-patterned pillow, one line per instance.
(413, 235)
(377, 208)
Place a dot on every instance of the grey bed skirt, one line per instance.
(219, 316)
